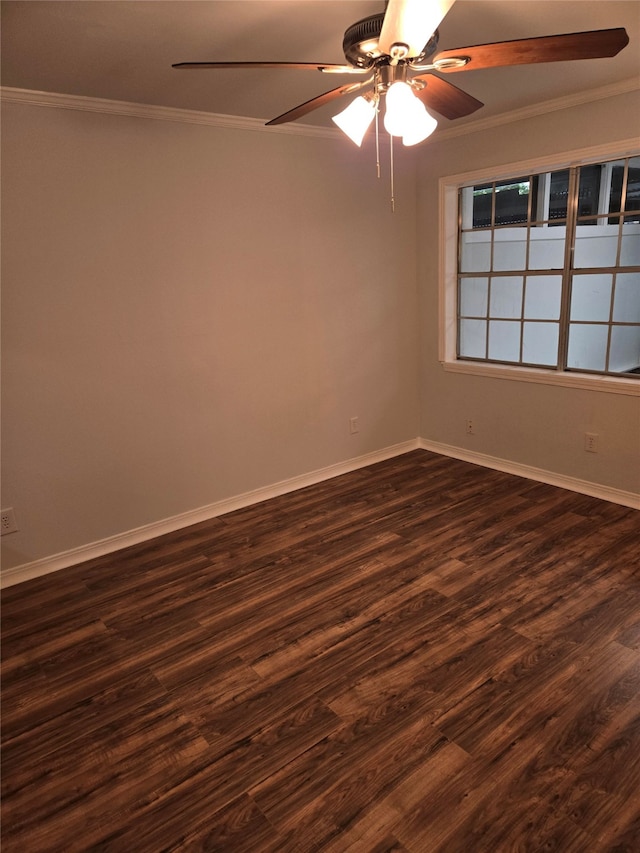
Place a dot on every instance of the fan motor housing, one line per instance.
(360, 42)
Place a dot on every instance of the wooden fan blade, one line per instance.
(445, 98)
(309, 66)
(320, 101)
(595, 44)
(411, 22)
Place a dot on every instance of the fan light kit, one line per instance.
(394, 51)
(405, 116)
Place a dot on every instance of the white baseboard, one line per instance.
(573, 484)
(46, 565)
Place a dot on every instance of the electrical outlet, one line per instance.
(470, 429)
(8, 522)
(591, 442)
(354, 426)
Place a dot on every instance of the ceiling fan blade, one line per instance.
(319, 101)
(595, 44)
(312, 66)
(445, 98)
(411, 22)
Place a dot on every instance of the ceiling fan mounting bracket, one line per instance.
(361, 47)
(360, 42)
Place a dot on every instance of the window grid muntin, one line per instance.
(487, 318)
(618, 215)
(571, 221)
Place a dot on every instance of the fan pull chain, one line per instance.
(378, 139)
(393, 200)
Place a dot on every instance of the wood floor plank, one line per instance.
(386, 812)
(239, 827)
(233, 769)
(421, 655)
(97, 780)
(364, 767)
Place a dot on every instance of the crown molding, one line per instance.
(152, 111)
(622, 87)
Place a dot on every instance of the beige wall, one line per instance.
(193, 312)
(189, 313)
(536, 425)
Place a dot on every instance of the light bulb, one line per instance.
(356, 118)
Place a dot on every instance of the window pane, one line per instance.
(473, 297)
(540, 343)
(632, 201)
(596, 246)
(512, 201)
(626, 303)
(615, 195)
(475, 252)
(546, 251)
(625, 348)
(630, 251)
(482, 200)
(510, 249)
(591, 297)
(542, 297)
(587, 347)
(506, 297)
(504, 340)
(559, 194)
(473, 338)
(589, 190)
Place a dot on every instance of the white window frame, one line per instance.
(448, 271)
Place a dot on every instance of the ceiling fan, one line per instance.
(396, 53)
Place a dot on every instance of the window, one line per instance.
(547, 273)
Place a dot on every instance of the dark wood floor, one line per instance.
(421, 655)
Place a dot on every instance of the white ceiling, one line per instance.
(124, 50)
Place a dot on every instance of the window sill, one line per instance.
(609, 384)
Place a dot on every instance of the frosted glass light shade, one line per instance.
(406, 115)
(356, 118)
(423, 125)
(401, 104)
